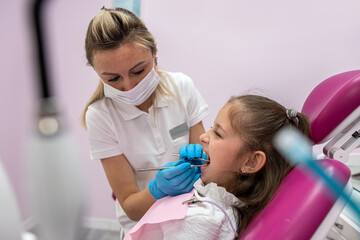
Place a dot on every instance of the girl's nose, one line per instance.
(204, 138)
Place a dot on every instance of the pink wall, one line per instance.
(279, 48)
(16, 93)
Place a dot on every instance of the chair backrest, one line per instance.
(300, 204)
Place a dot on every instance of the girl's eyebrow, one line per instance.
(219, 126)
(131, 69)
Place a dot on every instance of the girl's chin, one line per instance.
(203, 179)
(204, 169)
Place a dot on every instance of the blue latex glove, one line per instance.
(191, 151)
(174, 181)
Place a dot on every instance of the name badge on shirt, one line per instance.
(179, 131)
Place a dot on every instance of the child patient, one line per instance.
(240, 179)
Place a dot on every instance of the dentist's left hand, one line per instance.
(191, 153)
(174, 181)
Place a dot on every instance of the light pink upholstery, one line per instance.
(331, 102)
(299, 205)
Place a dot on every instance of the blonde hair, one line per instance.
(112, 28)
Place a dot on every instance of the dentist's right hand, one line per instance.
(174, 181)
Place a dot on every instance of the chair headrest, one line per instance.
(331, 102)
(299, 196)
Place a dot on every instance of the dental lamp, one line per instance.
(55, 176)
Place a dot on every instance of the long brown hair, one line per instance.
(112, 28)
(256, 120)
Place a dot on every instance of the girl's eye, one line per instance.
(138, 72)
(216, 132)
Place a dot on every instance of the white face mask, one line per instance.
(138, 94)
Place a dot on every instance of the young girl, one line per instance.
(240, 178)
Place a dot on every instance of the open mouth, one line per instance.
(208, 160)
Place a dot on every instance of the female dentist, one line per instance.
(139, 115)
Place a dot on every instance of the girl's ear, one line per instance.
(256, 161)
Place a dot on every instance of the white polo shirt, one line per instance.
(115, 128)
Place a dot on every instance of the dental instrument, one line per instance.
(160, 168)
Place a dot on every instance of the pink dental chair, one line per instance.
(303, 207)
